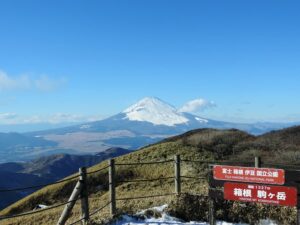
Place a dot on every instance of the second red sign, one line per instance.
(259, 193)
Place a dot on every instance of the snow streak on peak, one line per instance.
(155, 111)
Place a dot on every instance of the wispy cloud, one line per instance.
(10, 118)
(44, 83)
(11, 83)
(26, 82)
(197, 105)
(69, 118)
(7, 116)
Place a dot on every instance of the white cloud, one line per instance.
(44, 83)
(7, 116)
(197, 105)
(57, 118)
(66, 118)
(25, 82)
(12, 83)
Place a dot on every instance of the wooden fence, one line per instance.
(80, 191)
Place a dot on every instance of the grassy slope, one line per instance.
(200, 144)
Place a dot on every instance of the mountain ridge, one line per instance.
(202, 145)
(145, 122)
(46, 169)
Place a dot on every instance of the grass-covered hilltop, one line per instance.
(281, 147)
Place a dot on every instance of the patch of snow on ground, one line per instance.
(40, 206)
(156, 208)
(166, 219)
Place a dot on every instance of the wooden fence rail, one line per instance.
(81, 188)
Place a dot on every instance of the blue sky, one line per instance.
(84, 60)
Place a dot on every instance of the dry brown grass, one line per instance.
(202, 145)
(59, 193)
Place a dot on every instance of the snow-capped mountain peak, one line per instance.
(156, 111)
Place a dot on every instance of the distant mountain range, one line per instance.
(45, 170)
(143, 123)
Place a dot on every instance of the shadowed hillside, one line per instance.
(203, 144)
(45, 170)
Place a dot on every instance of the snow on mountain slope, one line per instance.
(155, 111)
(201, 120)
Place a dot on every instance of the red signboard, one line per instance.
(249, 174)
(259, 193)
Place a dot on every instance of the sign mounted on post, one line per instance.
(260, 193)
(249, 174)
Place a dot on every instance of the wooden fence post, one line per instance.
(211, 204)
(112, 191)
(212, 214)
(177, 175)
(84, 196)
(72, 200)
(257, 162)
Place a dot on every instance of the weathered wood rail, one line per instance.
(80, 191)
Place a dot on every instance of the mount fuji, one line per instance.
(149, 117)
(146, 122)
(152, 117)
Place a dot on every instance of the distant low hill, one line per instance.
(19, 147)
(202, 144)
(45, 170)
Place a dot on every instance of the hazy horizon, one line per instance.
(67, 62)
